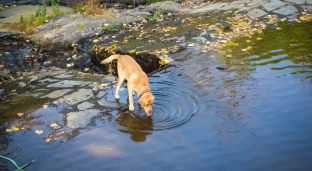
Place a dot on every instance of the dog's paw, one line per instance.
(131, 108)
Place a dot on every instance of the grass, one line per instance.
(81, 25)
(148, 2)
(28, 24)
(108, 28)
(93, 8)
(156, 14)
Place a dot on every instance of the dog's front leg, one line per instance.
(131, 107)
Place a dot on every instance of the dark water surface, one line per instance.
(251, 116)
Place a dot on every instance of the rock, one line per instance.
(296, 1)
(107, 104)
(208, 8)
(85, 106)
(78, 96)
(22, 84)
(256, 13)
(68, 83)
(63, 76)
(272, 5)
(166, 6)
(81, 119)
(288, 10)
(101, 94)
(58, 93)
(201, 39)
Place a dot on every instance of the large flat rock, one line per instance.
(81, 119)
(296, 1)
(272, 5)
(288, 10)
(256, 13)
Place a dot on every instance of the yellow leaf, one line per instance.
(104, 84)
(144, 21)
(95, 40)
(124, 25)
(86, 69)
(20, 114)
(15, 128)
(248, 41)
(125, 41)
(278, 28)
(163, 62)
(131, 51)
(259, 38)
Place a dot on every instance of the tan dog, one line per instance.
(129, 69)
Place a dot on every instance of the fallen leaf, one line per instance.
(15, 128)
(20, 114)
(278, 28)
(104, 84)
(39, 131)
(259, 38)
(86, 69)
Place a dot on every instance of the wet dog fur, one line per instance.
(137, 81)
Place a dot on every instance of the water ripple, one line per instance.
(174, 105)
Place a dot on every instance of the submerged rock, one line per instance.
(82, 118)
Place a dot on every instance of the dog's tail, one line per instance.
(109, 59)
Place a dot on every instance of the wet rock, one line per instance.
(82, 118)
(208, 8)
(63, 76)
(58, 93)
(309, 7)
(85, 106)
(288, 10)
(22, 84)
(68, 83)
(201, 39)
(101, 94)
(272, 5)
(108, 79)
(78, 96)
(296, 1)
(107, 104)
(256, 13)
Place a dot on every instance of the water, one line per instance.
(255, 115)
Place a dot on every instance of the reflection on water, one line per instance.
(287, 50)
(175, 105)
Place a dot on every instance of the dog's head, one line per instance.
(146, 101)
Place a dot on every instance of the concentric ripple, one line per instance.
(174, 105)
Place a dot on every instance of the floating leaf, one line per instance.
(278, 28)
(86, 69)
(259, 38)
(248, 41)
(39, 131)
(15, 128)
